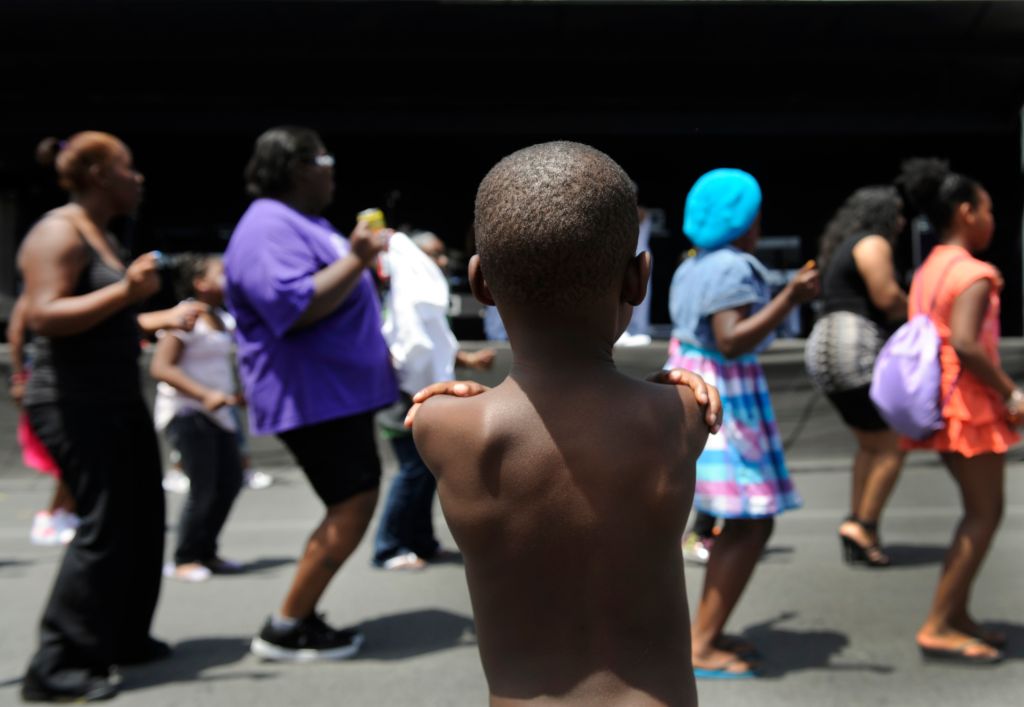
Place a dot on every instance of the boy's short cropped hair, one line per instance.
(555, 224)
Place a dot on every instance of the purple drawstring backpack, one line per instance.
(906, 385)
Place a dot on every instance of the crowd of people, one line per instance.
(529, 474)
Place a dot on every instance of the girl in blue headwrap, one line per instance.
(723, 314)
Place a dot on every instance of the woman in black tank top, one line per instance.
(84, 401)
(862, 301)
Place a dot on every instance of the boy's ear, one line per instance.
(477, 283)
(634, 284)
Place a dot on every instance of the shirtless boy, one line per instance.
(567, 486)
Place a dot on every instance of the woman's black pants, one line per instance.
(102, 603)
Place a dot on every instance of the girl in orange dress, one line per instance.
(981, 403)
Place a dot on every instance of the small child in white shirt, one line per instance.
(196, 391)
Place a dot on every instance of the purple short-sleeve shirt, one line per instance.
(338, 366)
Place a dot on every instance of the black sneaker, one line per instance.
(311, 639)
(150, 651)
(68, 686)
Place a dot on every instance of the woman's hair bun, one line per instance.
(920, 180)
(47, 150)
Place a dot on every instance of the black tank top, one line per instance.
(844, 290)
(99, 366)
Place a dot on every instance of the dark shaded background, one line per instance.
(419, 99)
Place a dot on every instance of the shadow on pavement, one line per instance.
(1014, 638)
(415, 633)
(777, 554)
(262, 564)
(11, 564)
(447, 557)
(190, 659)
(792, 651)
(915, 555)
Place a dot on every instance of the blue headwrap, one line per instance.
(721, 207)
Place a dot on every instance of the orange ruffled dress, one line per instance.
(976, 418)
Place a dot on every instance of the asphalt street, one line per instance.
(831, 634)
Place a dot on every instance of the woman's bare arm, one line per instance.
(873, 257)
(51, 260)
(333, 284)
(16, 341)
(16, 336)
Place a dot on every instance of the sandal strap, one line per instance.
(870, 527)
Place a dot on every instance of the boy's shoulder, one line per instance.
(648, 411)
(446, 422)
(676, 412)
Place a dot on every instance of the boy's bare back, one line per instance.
(567, 491)
(567, 486)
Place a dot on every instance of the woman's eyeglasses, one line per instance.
(324, 160)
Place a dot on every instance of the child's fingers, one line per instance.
(409, 416)
(462, 389)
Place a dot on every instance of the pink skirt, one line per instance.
(33, 452)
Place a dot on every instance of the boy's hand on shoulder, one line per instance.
(459, 389)
(706, 395)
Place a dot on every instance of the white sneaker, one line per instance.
(192, 574)
(630, 340)
(175, 481)
(44, 531)
(257, 480)
(66, 525)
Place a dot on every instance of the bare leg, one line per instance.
(328, 548)
(733, 558)
(62, 499)
(861, 469)
(981, 489)
(875, 471)
(884, 469)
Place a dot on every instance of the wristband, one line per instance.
(18, 378)
(1015, 401)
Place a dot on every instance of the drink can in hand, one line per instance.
(374, 218)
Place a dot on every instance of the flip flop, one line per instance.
(960, 655)
(737, 645)
(722, 672)
(996, 639)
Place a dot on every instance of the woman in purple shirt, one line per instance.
(313, 363)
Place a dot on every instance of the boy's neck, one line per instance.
(540, 353)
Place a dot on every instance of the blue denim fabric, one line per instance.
(406, 524)
(711, 282)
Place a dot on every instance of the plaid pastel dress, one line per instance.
(742, 472)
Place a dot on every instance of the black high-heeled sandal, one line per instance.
(856, 554)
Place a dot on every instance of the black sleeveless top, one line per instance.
(844, 290)
(98, 366)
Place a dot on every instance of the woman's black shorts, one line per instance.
(857, 410)
(339, 457)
